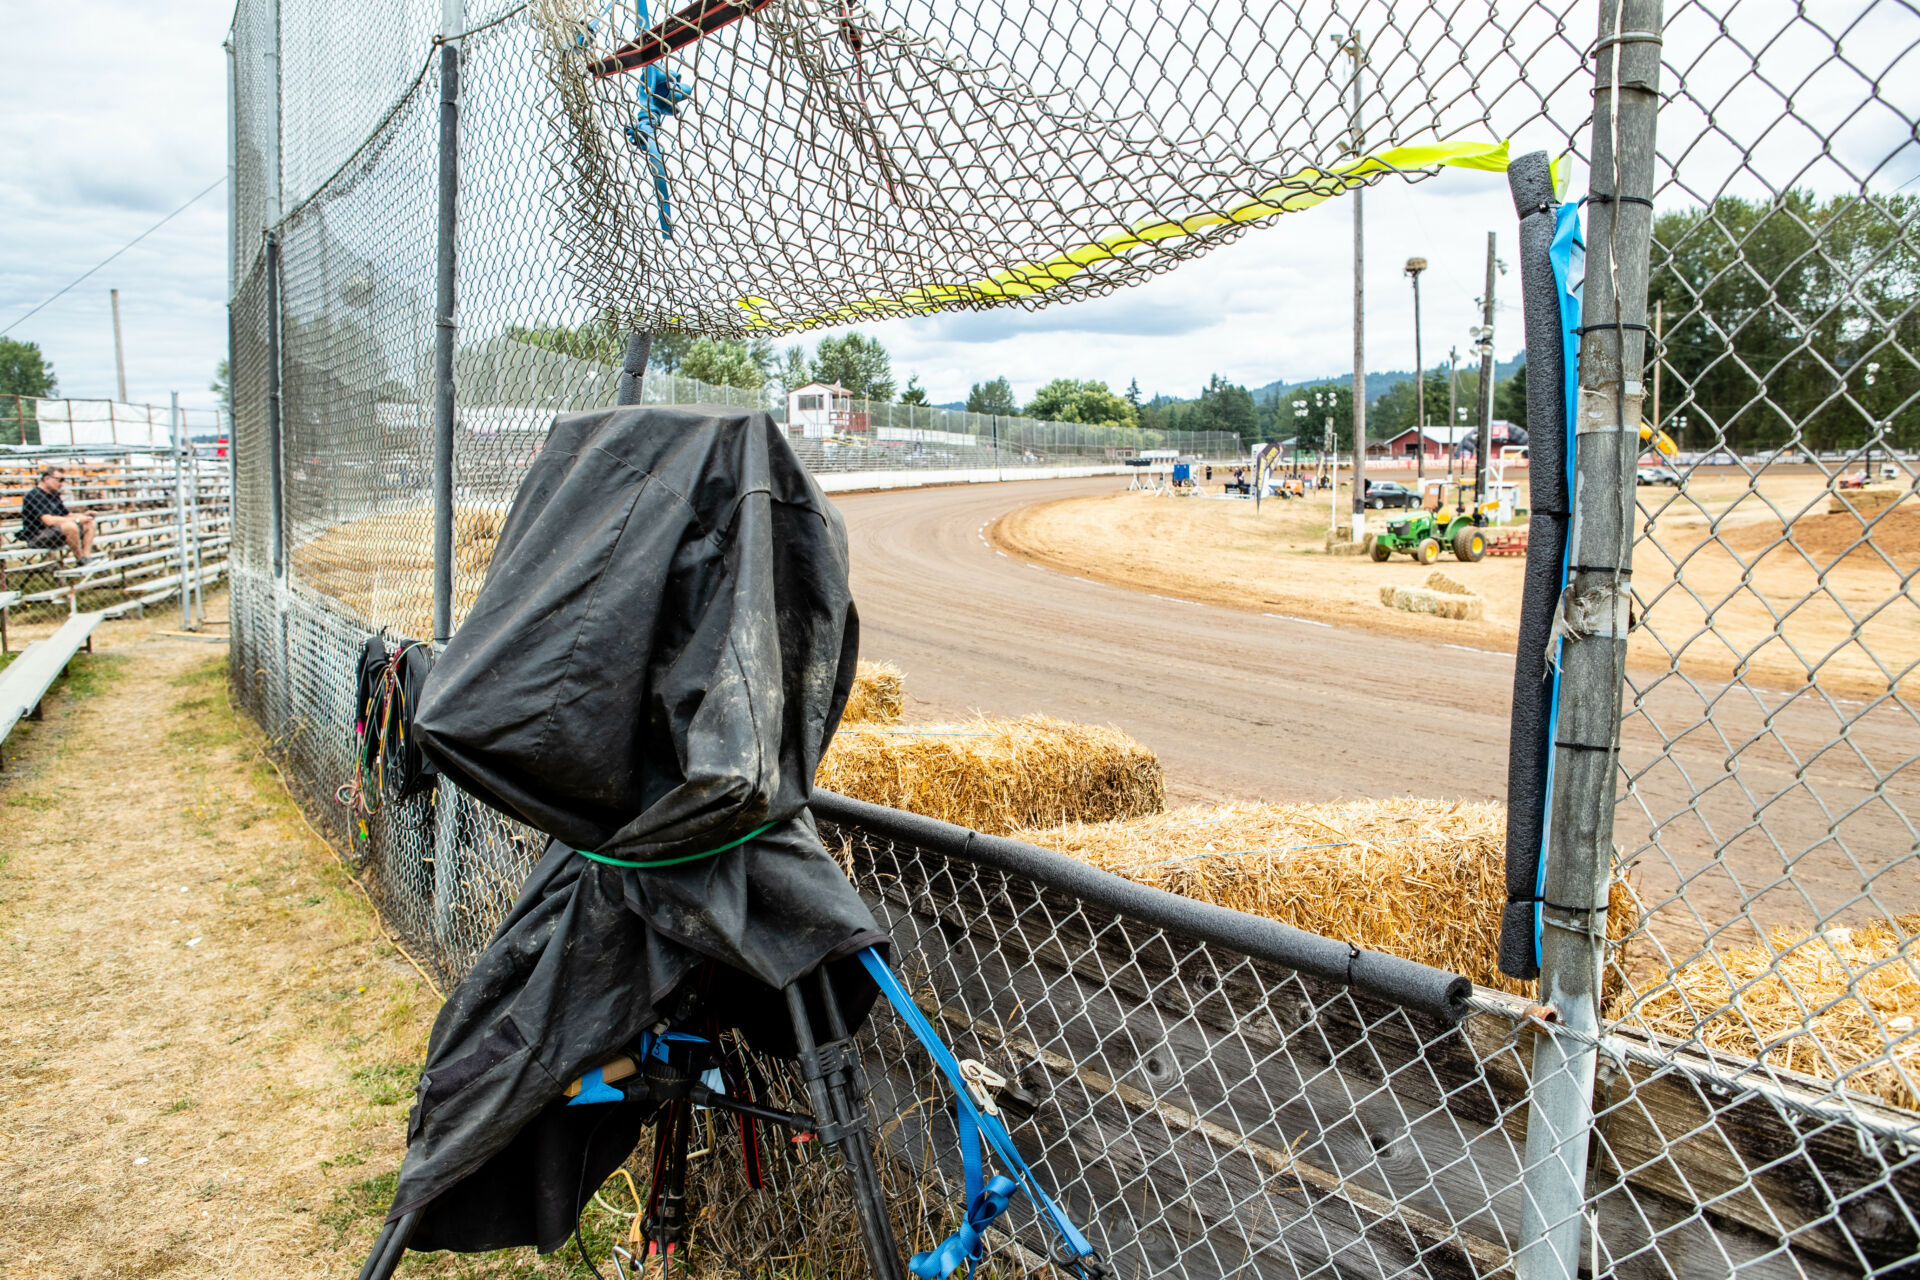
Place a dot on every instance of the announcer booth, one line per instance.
(819, 410)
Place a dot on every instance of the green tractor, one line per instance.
(1456, 526)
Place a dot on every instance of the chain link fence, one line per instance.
(1742, 1099)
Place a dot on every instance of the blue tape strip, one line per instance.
(1569, 257)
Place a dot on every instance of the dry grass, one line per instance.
(1420, 879)
(1826, 1005)
(996, 775)
(879, 694)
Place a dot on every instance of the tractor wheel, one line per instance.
(1470, 545)
(1427, 552)
(1380, 552)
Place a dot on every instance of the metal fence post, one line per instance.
(452, 22)
(177, 430)
(276, 498)
(1594, 617)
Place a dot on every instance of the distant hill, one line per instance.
(952, 404)
(1378, 384)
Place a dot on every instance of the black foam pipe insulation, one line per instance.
(1549, 504)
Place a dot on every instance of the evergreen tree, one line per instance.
(992, 397)
(1226, 406)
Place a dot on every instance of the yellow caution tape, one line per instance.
(1297, 191)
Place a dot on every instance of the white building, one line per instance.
(819, 409)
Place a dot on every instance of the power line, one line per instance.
(116, 253)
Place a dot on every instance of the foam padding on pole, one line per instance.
(1529, 748)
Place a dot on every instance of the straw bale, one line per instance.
(996, 775)
(382, 567)
(1426, 600)
(879, 694)
(1420, 879)
(1446, 586)
(1840, 1005)
(1864, 501)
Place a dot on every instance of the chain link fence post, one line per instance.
(453, 19)
(1594, 618)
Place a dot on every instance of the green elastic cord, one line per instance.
(674, 862)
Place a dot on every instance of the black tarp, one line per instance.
(658, 658)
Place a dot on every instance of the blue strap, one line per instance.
(966, 1244)
(973, 1122)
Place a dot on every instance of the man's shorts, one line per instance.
(47, 538)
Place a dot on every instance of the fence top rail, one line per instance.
(1416, 987)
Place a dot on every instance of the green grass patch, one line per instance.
(386, 1083)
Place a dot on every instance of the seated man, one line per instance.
(44, 521)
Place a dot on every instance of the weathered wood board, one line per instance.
(1210, 1115)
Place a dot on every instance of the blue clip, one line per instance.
(594, 1088)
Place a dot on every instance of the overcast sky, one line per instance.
(105, 136)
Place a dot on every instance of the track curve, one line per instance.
(1237, 705)
(1782, 808)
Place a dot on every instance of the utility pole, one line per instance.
(119, 352)
(1453, 409)
(1483, 439)
(1414, 267)
(1351, 46)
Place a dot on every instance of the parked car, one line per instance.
(1658, 475)
(1382, 494)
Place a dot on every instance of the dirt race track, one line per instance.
(1241, 705)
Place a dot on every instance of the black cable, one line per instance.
(110, 257)
(579, 1197)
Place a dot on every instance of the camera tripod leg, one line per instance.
(666, 1226)
(388, 1246)
(835, 1088)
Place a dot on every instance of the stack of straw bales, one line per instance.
(1420, 879)
(1442, 597)
(996, 775)
(1837, 1005)
(879, 694)
(382, 567)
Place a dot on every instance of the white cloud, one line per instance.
(116, 113)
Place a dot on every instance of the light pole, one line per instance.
(1453, 396)
(1483, 335)
(1414, 267)
(1326, 400)
(1350, 45)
